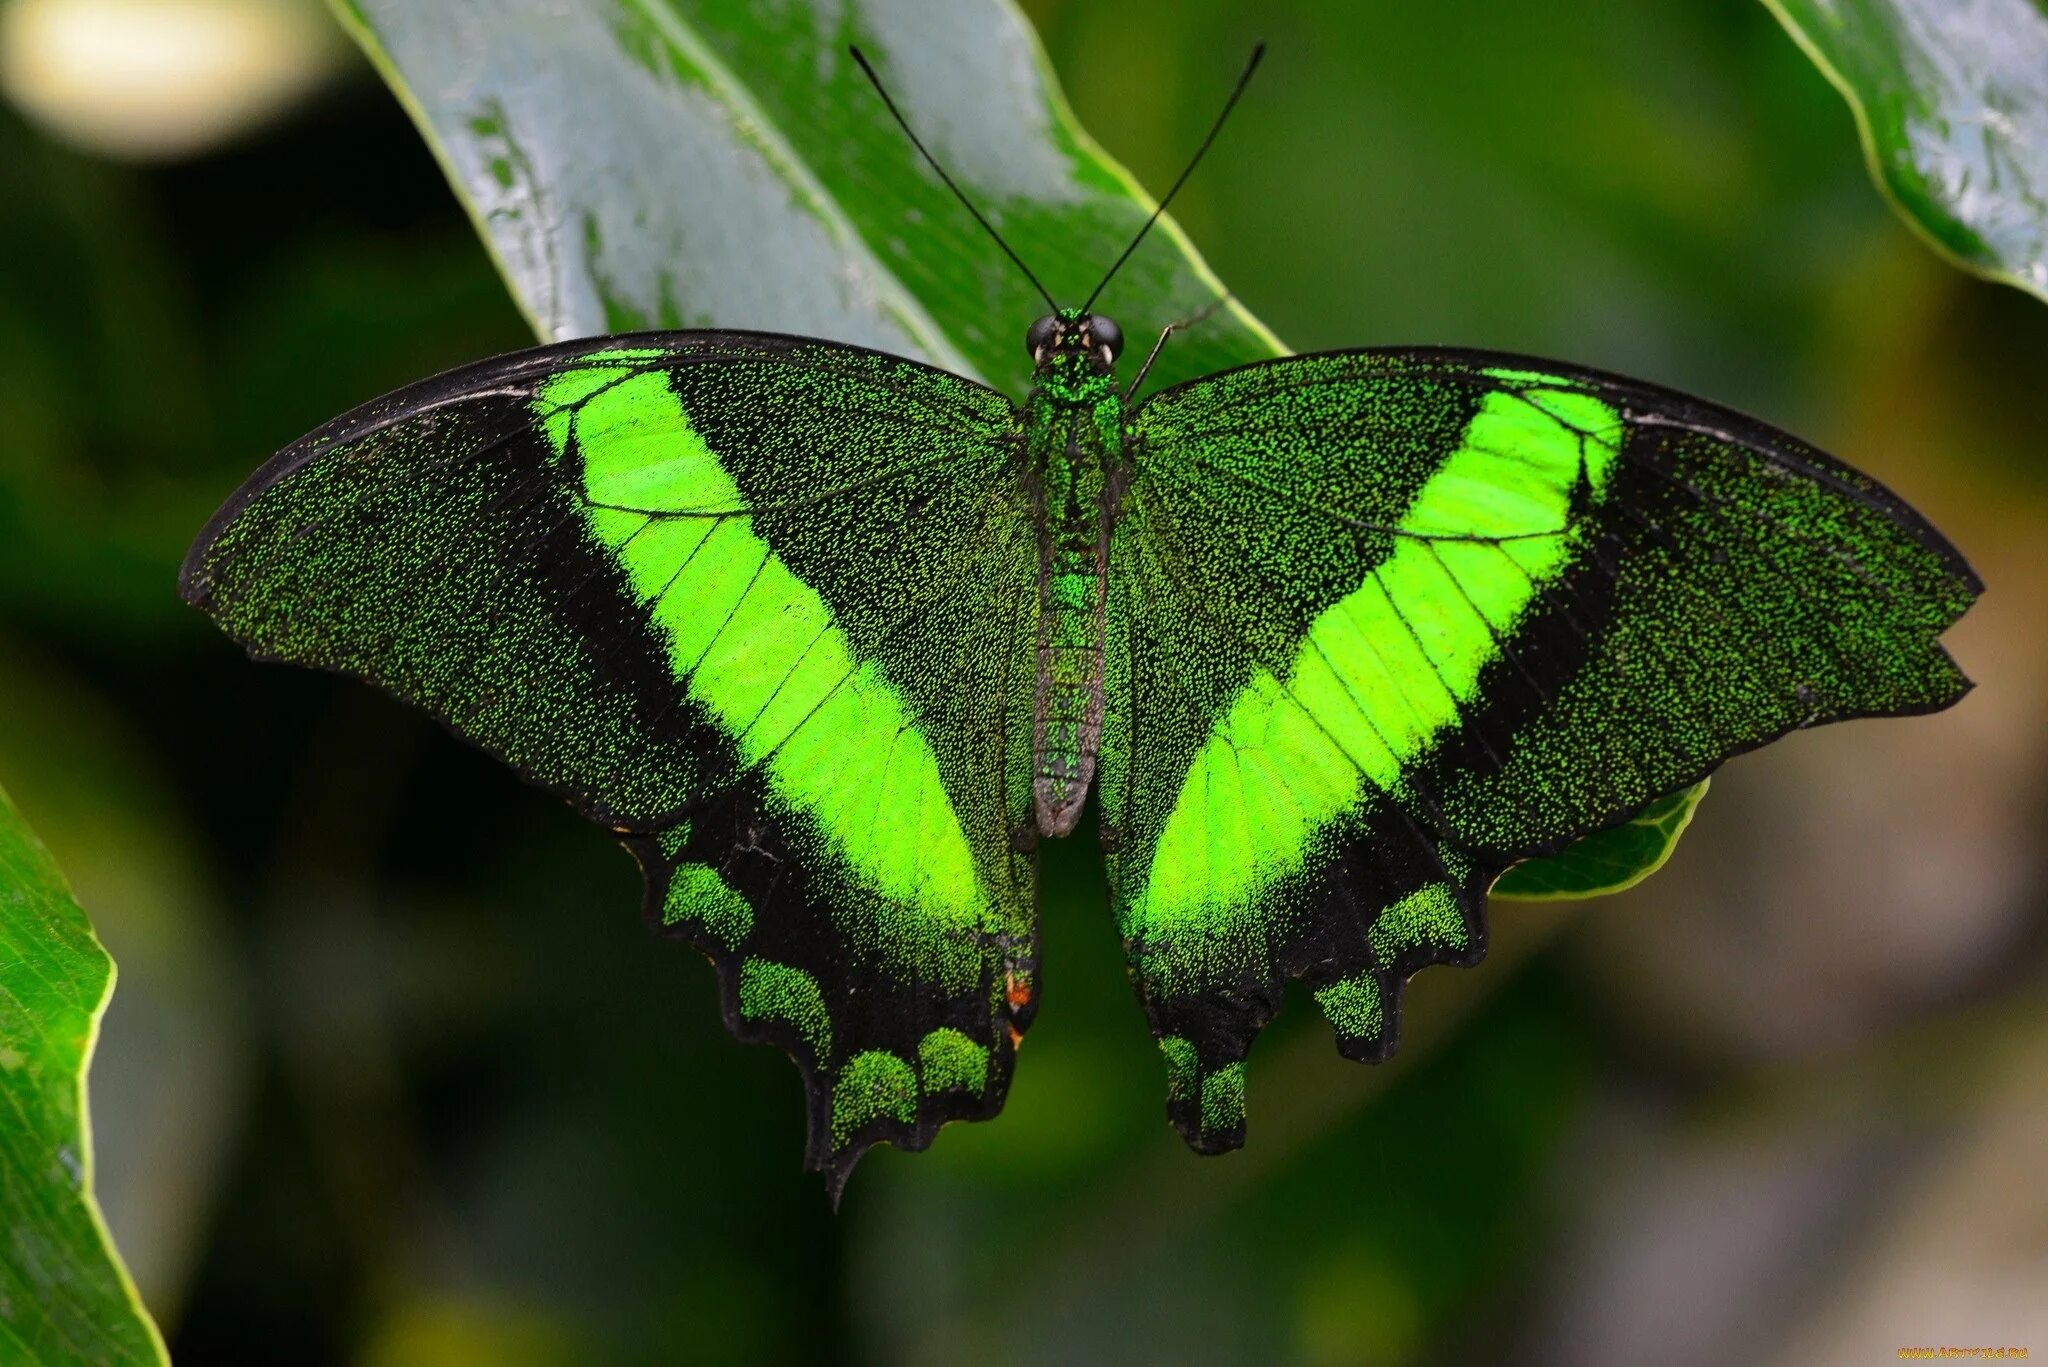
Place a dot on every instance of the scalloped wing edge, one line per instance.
(835, 1162)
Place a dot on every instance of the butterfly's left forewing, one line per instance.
(1383, 623)
(757, 604)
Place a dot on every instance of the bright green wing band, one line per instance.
(1383, 671)
(758, 605)
(1385, 623)
(760, 653)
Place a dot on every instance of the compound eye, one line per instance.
(1107, 334)
(1040, 335)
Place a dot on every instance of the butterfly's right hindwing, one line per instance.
(758, 604)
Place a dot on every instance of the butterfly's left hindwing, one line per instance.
(757, 604)
(1383, 623)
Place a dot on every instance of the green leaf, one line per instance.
(1951, 102)
(1617, 858)
(170, 1072)
(64, 1296)
(685, 163)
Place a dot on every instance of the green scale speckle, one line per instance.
(697, 893)
(947, 1059)
(1428, 919)
(874, 1085)
(1352, 1006)
(780, 992)
(1183, 1069)
(1223, 1101)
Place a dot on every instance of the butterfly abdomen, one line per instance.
(1075, 445)
(1069, 722)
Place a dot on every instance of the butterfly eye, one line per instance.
(1040, 335)
(1107, 334)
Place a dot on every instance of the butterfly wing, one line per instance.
(1383, 623)
(757, 604)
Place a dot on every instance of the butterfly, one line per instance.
(832, 640)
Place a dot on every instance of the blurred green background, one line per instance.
(394, 1074)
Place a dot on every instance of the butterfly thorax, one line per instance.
(1074, 438)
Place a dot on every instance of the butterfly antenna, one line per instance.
(958, 193)
(1244, 79)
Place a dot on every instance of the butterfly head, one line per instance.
(1076, 344)
(1071, 333)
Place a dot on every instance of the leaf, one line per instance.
(685, 163)
(170, 1070)
(1951, 102)
(682, 163)
(64, 1296)
(1614, 859)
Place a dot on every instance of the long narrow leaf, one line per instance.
(64, 1296)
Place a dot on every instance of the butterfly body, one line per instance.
(1074, 437)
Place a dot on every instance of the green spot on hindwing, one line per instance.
(947, 1060)
(872, 1085)
(1353, 1006)
(697, 893)
(1183, 1068)
(772, 991)
(1223, 1099)
(1429, 917)
(1217, 1097)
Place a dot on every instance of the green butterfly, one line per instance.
(832, 639)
